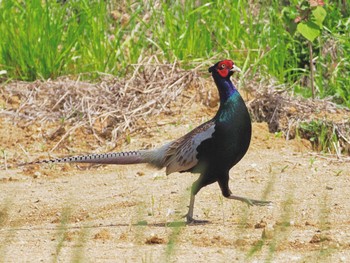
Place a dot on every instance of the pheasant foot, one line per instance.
(191, 221)
(249, 201)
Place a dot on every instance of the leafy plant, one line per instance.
(310, 20)
(309, 16)
(321, 135)
(319, 29)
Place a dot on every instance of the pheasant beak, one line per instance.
(235, 69)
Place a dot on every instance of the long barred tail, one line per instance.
(132, 157)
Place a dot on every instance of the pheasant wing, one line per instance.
(181, 155)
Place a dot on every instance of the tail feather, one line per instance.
(132, 157)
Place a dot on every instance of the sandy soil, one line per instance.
(69, 213)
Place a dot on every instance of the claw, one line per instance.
(252, 202)
(191, 221)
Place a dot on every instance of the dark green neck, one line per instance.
(232, 106)
(225, 87)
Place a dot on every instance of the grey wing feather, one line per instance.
(181, 155)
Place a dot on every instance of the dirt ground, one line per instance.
(66, 213)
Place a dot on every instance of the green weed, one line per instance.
(78, 252)
(326, 249)
(7, 237)
(321, 134)
(62, 232)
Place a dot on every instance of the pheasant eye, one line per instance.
(223, 66)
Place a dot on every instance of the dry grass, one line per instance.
(293, 115)
(108, 108)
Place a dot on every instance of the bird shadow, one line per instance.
(160, 224)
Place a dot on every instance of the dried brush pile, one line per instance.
(107, 108)
(322, 122)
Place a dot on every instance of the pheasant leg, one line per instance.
(189, 215)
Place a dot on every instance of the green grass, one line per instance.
(321, 134)
(47, 39)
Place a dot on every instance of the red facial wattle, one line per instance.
(224, 68)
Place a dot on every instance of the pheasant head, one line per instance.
(224, 68)
(221, 72)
